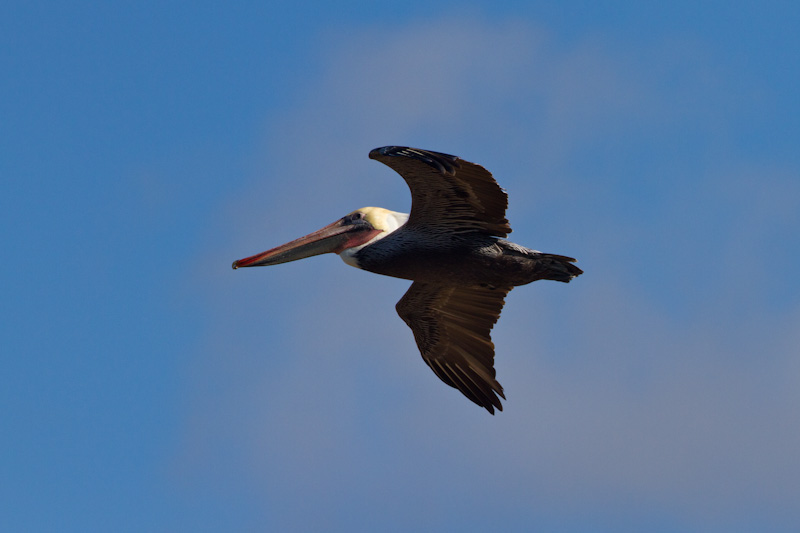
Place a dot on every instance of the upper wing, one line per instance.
(452, 328)
(448, 194)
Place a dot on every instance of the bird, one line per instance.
(452, 247)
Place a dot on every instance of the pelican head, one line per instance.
(345, 237)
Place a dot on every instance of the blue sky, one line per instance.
(147, 386)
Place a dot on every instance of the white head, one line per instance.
(382, 220)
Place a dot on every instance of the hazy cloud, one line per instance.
(644, 384)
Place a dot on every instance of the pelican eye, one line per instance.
(355, 218)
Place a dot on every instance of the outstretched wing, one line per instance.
(452, 328)
(448, 194)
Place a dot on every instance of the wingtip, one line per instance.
(490, 402)
(444, 163)
(375, 153)
(492, 406)
(390, 150)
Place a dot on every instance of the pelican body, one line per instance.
(451, 247)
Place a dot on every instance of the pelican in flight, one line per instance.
(451, 247)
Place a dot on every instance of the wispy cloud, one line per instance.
(616, 399)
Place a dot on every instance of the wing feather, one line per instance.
(448, 195)
(452, 326)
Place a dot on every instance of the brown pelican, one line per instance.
(450, 246)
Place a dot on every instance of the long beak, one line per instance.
(332, 238)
